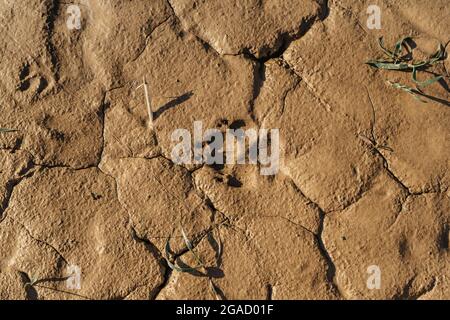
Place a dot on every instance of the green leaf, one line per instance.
(186, 240)
(215, 290)
(402, 63)
(399, 45)
(426, 83)
(387, 65)
(4, 130)
(407, 89)
(419, 64)
(179, 269)
(175, 267)
(32, 282)
(386, 51)
(439, 55)
(190, 247)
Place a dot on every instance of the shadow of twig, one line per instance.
(435, 99)
(172, 104)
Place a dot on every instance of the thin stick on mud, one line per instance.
(147, 101)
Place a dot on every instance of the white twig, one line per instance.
(147, 101)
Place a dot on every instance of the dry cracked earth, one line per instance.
(85, 181)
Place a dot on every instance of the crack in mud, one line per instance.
(146, 41)
(40, 241)
(11, 184)
(161, 262)
(406, 293)
(331, 272)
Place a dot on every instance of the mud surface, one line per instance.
(87, 182)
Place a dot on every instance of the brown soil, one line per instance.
(84, 181)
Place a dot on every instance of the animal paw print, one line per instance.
(223, 125)
(226, 124)
(228, 179)
(32, 81)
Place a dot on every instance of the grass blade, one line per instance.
(167, 257)
(407, 89)
(439, 55)
(406, 62)
(398, 49)
(218, 295)
(389, 53)
(388, 65)
(190, 248)
(186, 240)
(5, 130)
(426, 83)
(174, 266)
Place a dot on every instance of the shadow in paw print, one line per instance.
(28, 77)
(43, 84)
(172, 104)
(233, 182)
(218, 166)
(237, 124)
(23, 75)
(222, 123)
(25, 72)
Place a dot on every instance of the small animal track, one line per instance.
(32, 81)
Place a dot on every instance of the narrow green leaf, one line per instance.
(381, 64)
(405, 63)
(407, 89)
(386, 51)
(439, 55)
(215, 290)
(419, 64)
(187, 268)
(31, 283)
(3, 130)
(190, 247)
(179, 269)
(426, 83)
(186, 240)
(220, 245)
(175, 267)
(399, 46)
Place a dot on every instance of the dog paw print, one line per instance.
(233, 125)
(32, 81)
(228, 179)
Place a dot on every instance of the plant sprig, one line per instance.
(398, 59)
(33, 281)
(190, 247)
(5, 130)
(414, 92)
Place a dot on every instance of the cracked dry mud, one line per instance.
(85, 182)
